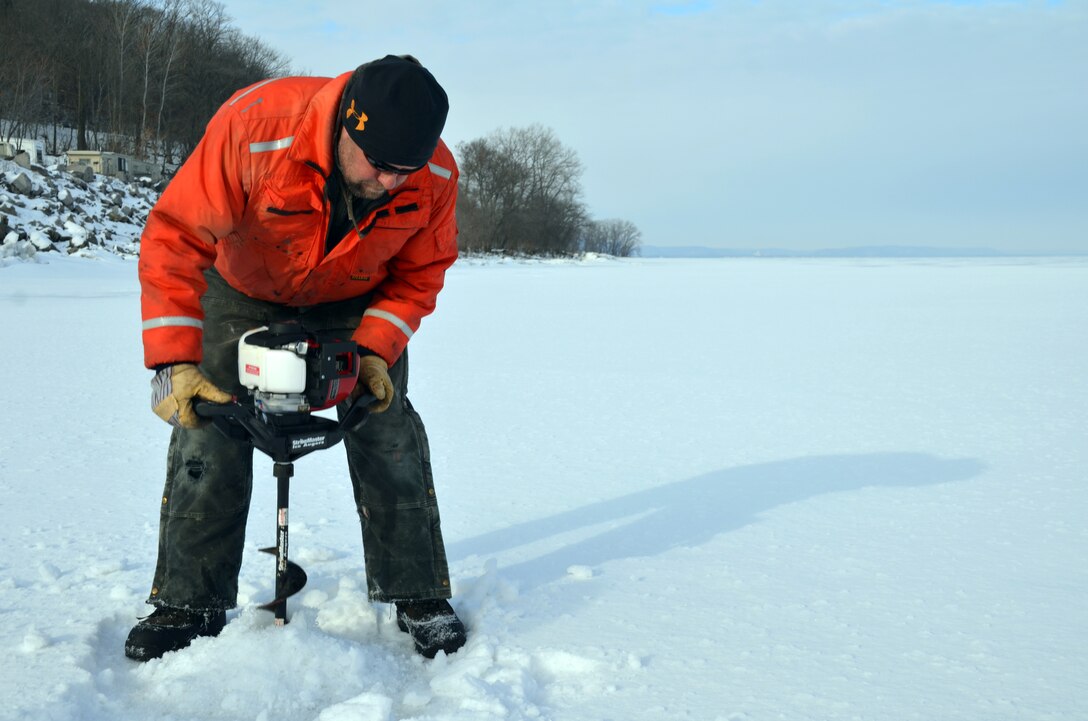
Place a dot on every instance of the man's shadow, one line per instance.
(691, 512)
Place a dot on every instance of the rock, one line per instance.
(82, 171)
(22, 184)
(41, 241)
(79, 234)
(22, 159)
(15, 247)
(66, 198)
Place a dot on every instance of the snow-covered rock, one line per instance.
(21, 184)
(15, 248)
(64, 209)
(41, 240)
(80, 235)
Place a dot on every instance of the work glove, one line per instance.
(374, 377)
(173, 390)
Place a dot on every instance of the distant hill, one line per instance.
(872, 251)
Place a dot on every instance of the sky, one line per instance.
(743, 124)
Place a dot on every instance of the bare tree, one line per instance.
(177, 13)
(24, 70)
(148, 38)
(620, 238)
(21, 95)
(521, 193)
(123, 15)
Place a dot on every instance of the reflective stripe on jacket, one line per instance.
(251, 201)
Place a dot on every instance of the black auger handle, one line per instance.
(358, 411)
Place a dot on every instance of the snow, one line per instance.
(671, 489)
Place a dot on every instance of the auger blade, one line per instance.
(294, 578)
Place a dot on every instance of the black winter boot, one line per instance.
(169, 629)
(433, 626)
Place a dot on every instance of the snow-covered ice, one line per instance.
(671, 489)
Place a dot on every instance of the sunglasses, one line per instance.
(387, 168)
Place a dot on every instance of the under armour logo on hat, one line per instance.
(353, 113)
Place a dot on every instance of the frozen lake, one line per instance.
(705, 489)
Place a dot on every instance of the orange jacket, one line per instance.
(251, 201)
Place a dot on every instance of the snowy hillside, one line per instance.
(719, 490)
(46, 210)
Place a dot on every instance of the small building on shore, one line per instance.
(115, 165)
(34, 148)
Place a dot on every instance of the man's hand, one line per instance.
(172, 392)
(374, 376)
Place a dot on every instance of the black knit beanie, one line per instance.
(394, 110)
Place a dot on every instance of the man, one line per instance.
(331, 202)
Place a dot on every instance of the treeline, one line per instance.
(521, 194)
(133, 76)
(144, 77)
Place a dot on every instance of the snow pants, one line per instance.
(209, 478)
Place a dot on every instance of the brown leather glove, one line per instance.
(374, 377)
(173, 390)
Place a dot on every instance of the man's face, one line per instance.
(362, 179)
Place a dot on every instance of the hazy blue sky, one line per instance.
(806, 124)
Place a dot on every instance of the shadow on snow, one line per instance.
(691, 512)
